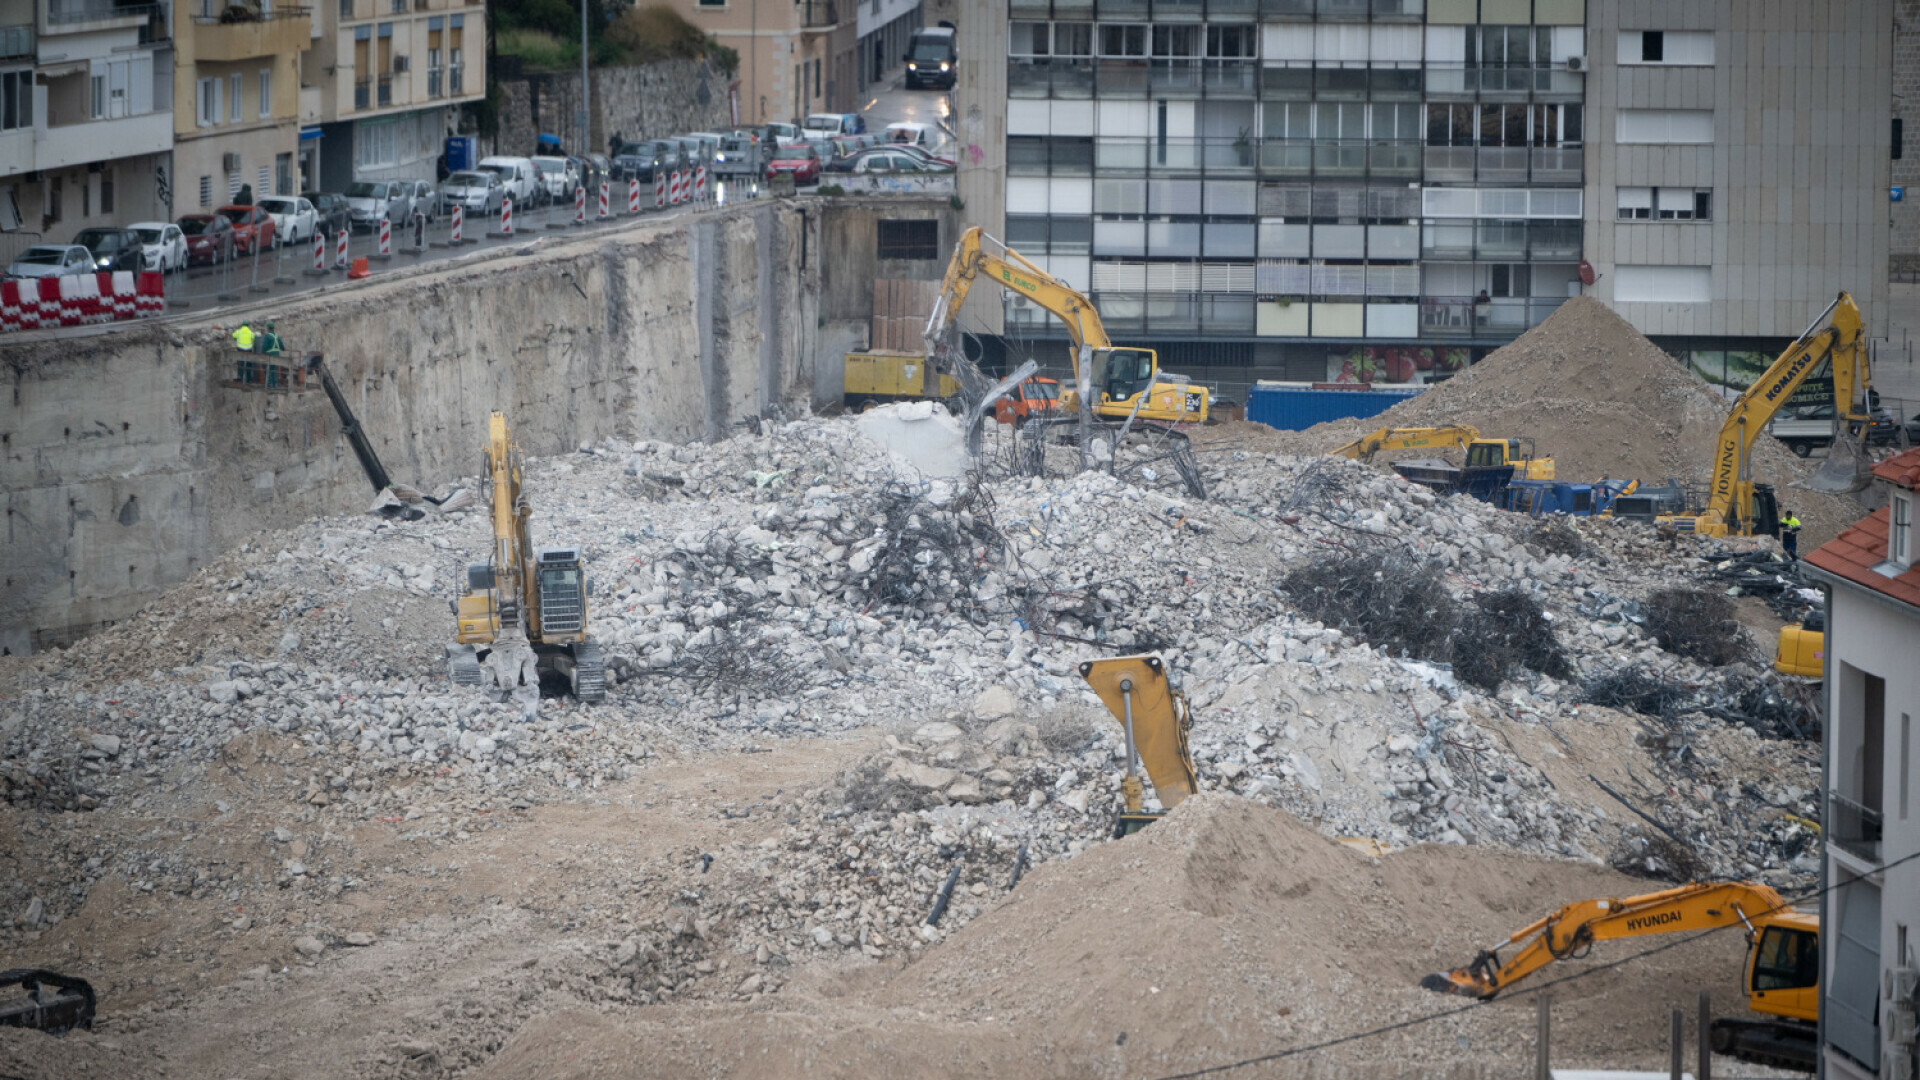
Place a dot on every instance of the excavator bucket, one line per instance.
(1847, 468)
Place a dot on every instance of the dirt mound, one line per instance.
(1228, 930)
(1603, 401)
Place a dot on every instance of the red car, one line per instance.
(800, 159)
(209, 238)
(252, 227)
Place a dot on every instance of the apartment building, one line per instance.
(382, 85)
(1870, 920)
(237, 69)
(86, 116)
(1385, 189)
(796, 56)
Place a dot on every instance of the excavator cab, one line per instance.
(1119, 374)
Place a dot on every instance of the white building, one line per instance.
(1870, 918)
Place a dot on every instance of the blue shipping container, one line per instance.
(1297, 407)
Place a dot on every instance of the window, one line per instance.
(1668, 47)
(266, 93)
(721, 3)
(1663, 284)
(346, 9)
(1230, 42)
(209, 102)
(234, 95)
(1786, 959)
(909, 240)
(1176, 41)
(16, 100)
(1122, 40)
(262, 182)
(206, 191)
(1663, 126)
(1449, 125)
(98, 86)
(86, 196)
(106, 193)
(53, 198)
(1511, 281)
(1900, 534)
(1509, 46)
(1666, 204)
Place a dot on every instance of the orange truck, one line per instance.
(1033, 397)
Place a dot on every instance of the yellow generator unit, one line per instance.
(874, 378)
(1803, 648)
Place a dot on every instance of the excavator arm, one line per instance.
(972, 256)
(1457, 436)
(1836, 336)
(1572, 930)
(1156, 720)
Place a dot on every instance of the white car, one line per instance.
(294, 219)
(924, 136)
(165, 244)
(51, 260)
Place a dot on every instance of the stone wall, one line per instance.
(647, 102)
(685, 328)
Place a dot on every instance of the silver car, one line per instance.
(51, 260)
(370, 200)
(477, 192)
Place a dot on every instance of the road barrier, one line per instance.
(633, 195)
(319, 268)
(659, 191)
(386, 239)
(580, 205)
(700, 184)
(606, 200)
(340, 261)
(79, 299)
(455, 239)
(506, 219)
(360, 269)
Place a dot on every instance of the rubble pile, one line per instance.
(798, 582)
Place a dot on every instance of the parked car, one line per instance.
(800, 159)
(640, 161)
(477, 193)
(595, 168)
(559, 177)
(294, 218)
(785, 134)
(331, 210)
(892, 162)
(165, 244)
(1810, 426)
(370, 200)
(114, 249)
(932, 59)
(422, 200)
(252, 227)
(209, 238)
(832, 125)
(51, 260)
(693, 153)
(924, 161)
(517, 175)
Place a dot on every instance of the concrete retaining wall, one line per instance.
(125, 465)
(651, 101)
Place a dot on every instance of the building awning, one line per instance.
(308, 134)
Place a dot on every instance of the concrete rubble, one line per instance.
(798, 583)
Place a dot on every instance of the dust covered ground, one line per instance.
(281, 845)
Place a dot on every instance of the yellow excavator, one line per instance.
(1156, 720)
(1782, 966)
(524, 611)
(1121, 382)
(1736, 506)
(1508, 458)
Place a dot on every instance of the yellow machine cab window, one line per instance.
(1786, 959)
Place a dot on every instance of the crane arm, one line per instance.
(1363, 448)
(1154, 717)
(1836, 335)
(1570, 931)
(977, 253)
(507, 506)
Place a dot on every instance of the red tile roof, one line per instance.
(1901, 470)
(1854, 553)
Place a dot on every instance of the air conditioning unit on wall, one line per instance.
(1576, 63)
(230, 162)
(399, 65)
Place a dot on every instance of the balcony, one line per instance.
(16, 42)
(62, 145)
(1049, 77)
(283, 30)
(434, 82)
(453, 81)
(1505, 164)
(75, 16)
(1500, 317)
(386, 90)
(362, 93)
(1853, 828)
(820, 14)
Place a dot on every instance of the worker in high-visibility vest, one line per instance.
(243, 337)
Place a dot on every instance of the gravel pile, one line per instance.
(798, 583)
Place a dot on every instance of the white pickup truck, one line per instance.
(1810, 426)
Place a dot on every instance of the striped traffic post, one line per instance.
(340, 259)
(700, 184)
(506, 219)
(459, 220)
(580, 205)
(319, 268)
(606, 200)
(659, 191)
(386, 239)
(633, 195)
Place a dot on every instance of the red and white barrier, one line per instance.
(386, 238)
(674, 187)
(659, 191)
(700, 184)
(506, 217)
(459, 219)
(340, 258)
(580, 205)
(633, 195)
(78, 299)
(606, 200)
(319, 252)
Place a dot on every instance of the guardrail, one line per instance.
(72, 11)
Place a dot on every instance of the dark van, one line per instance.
(931, 59)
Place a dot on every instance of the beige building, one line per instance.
(237, 83)
(86, 92)
(382, 84)
(796, 56)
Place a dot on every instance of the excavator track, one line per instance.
(54, 1003)
(589, 674)
(1766, 1042)
(463, 666)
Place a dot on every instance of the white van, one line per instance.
(517, 175)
